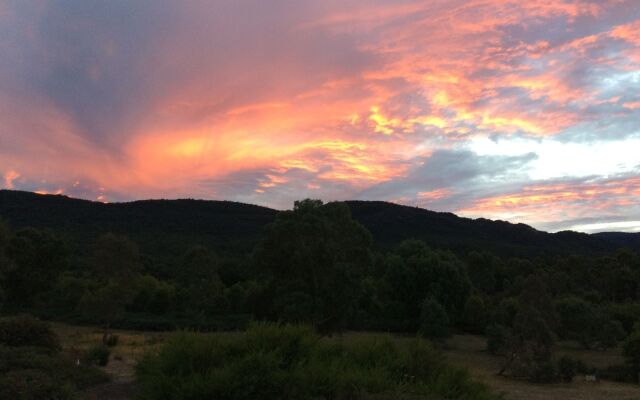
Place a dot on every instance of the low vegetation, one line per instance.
(271, 361)
(32, 366)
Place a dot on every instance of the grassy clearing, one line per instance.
(76, 340)
(468, 351)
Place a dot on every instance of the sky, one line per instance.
(527, 111)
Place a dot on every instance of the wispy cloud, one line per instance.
(269, 102)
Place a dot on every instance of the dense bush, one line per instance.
(631, 349)
(434, 321)
(275, 362)
(31, 373)
(568, 368)
(496, 338)
(36, 373)
(25, 330)
(97, 355)
(34, 385)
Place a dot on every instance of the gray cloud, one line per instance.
(457, 170)
(108, 65)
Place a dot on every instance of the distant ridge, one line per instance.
(236, 227)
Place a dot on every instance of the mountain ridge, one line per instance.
(236, 227)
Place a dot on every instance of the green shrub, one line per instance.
(25, 330)
(631, 349)
(291, 362)
(569, 367)
(496, 338)
(33, 384)
(434, 321)
(97, 355)
(38, 373)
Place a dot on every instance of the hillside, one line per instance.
(167, 225)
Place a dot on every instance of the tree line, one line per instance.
(316, 265)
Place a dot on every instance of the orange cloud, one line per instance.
(331, 97)
(557, 202)
(435, 194)
(9, 177)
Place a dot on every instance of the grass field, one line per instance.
(463, 350)
(131, 346)
(468, 351)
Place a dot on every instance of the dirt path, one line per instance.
(121, 367)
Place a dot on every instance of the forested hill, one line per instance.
(159, 226)
(390, 223)
(165, 225)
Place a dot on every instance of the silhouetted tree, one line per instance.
(116, 265)
(115, 258)
(200, 289)
(529, 343)
(313, 257)
(199, 264)
(414, 271)
(631, 350)
(434, 321)
(483, 271)
(105, 305)
(474, 317)
(37, 257)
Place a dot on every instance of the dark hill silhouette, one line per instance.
(164, 225)
(167, 226)
(624, 239)
(390, 223)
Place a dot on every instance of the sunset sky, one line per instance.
(527, 111)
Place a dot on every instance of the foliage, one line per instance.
(497, 336)
(107, 303)
(32, 368)
(528, 344)
(274, 362)
(38, 257)
(485, 271)
(590, 325)
(568, 368)
(474, 318)
(185, 263)
(434, 321)
(68, 291)
(97, 355)
(631, 349)
(414, 272)
(312, 257)
(24, 330)
(198, 265)
(115, 258)
(152, 295)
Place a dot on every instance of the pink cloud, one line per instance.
(9, 178)
(332, 97)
